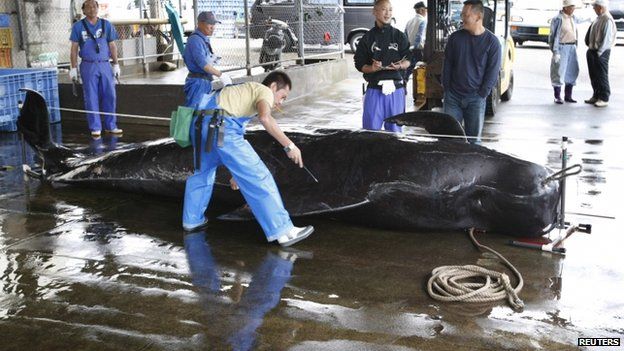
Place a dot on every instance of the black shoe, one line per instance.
(558, 101)
(591, 101)
(569, 99)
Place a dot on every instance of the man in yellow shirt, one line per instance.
(218, 138)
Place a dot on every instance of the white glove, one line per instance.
(225, 79)
(73, 73)
(116, 70)
(557, 58)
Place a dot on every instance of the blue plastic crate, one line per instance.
(44, 81)
(5, 20)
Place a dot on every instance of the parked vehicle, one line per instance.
(530, 19)
(358, 18)
(279, 37)
(321, 19)
(616, 8)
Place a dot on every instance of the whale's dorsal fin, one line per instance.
(436, 123)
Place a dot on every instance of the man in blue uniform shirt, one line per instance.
(382, 55)
(95, 38)
(472, 60)
(200, 60)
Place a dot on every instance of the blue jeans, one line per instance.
(467, 109)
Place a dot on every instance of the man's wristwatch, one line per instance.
(289, 147)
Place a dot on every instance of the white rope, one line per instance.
(113, 114)
(474, 283)
(426, 135)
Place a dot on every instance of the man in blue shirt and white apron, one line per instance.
(200, 60)
(95, 37)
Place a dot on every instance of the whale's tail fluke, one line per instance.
(34, 124)
(34, 121)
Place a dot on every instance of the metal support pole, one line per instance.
(342, 31)
(20, 27)
(300, 32)
(247, 40)
(564, 164)
(142, 38)
(195, 12)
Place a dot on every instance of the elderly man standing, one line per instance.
(600, 39)
(472, 60)
(200, 60)
(564, 67)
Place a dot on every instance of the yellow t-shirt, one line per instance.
(241, 100)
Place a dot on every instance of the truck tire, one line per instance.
(491, 103)
(506, 96)
(355, 39)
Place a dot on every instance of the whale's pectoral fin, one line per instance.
(436, 123)
(302, 206)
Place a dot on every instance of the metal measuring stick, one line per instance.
(310, 173)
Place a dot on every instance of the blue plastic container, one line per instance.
(44, 81)
(5, 20)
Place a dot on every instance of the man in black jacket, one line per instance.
(382, 54)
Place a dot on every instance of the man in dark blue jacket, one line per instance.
(472, 61)
(382, 55)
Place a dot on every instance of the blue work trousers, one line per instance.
(567, 69)
(253, 177)
(467, 109)
(378, 107)
(98, 85)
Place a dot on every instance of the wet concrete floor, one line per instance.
(98, 270)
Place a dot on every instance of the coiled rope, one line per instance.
(475, 284)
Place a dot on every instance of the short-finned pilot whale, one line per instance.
(373, 178)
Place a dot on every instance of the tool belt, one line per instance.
(215, 129)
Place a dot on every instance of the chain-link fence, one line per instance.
(252, 33)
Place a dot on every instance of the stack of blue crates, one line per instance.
(44, 81)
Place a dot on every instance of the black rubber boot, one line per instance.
(568, 93)
(558, 95)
